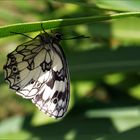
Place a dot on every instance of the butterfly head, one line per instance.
(49, 38)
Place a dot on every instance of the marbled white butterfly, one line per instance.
(38, 70)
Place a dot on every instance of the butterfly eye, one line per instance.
(58, 36)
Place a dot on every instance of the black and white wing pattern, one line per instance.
(38, 70)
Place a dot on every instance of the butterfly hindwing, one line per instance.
(38, 70)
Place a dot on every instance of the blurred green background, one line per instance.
(104, 70)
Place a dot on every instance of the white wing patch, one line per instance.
(38, 70)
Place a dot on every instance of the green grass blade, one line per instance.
(50, 24)
(89, 64)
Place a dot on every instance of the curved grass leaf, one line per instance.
(50, 24)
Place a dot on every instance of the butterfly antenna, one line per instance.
(43, 29)
(76, 37)
(22, 34)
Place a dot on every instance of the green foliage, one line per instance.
(105, 79)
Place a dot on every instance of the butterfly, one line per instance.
(38, 71)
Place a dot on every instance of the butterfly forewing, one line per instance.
(38, 70)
